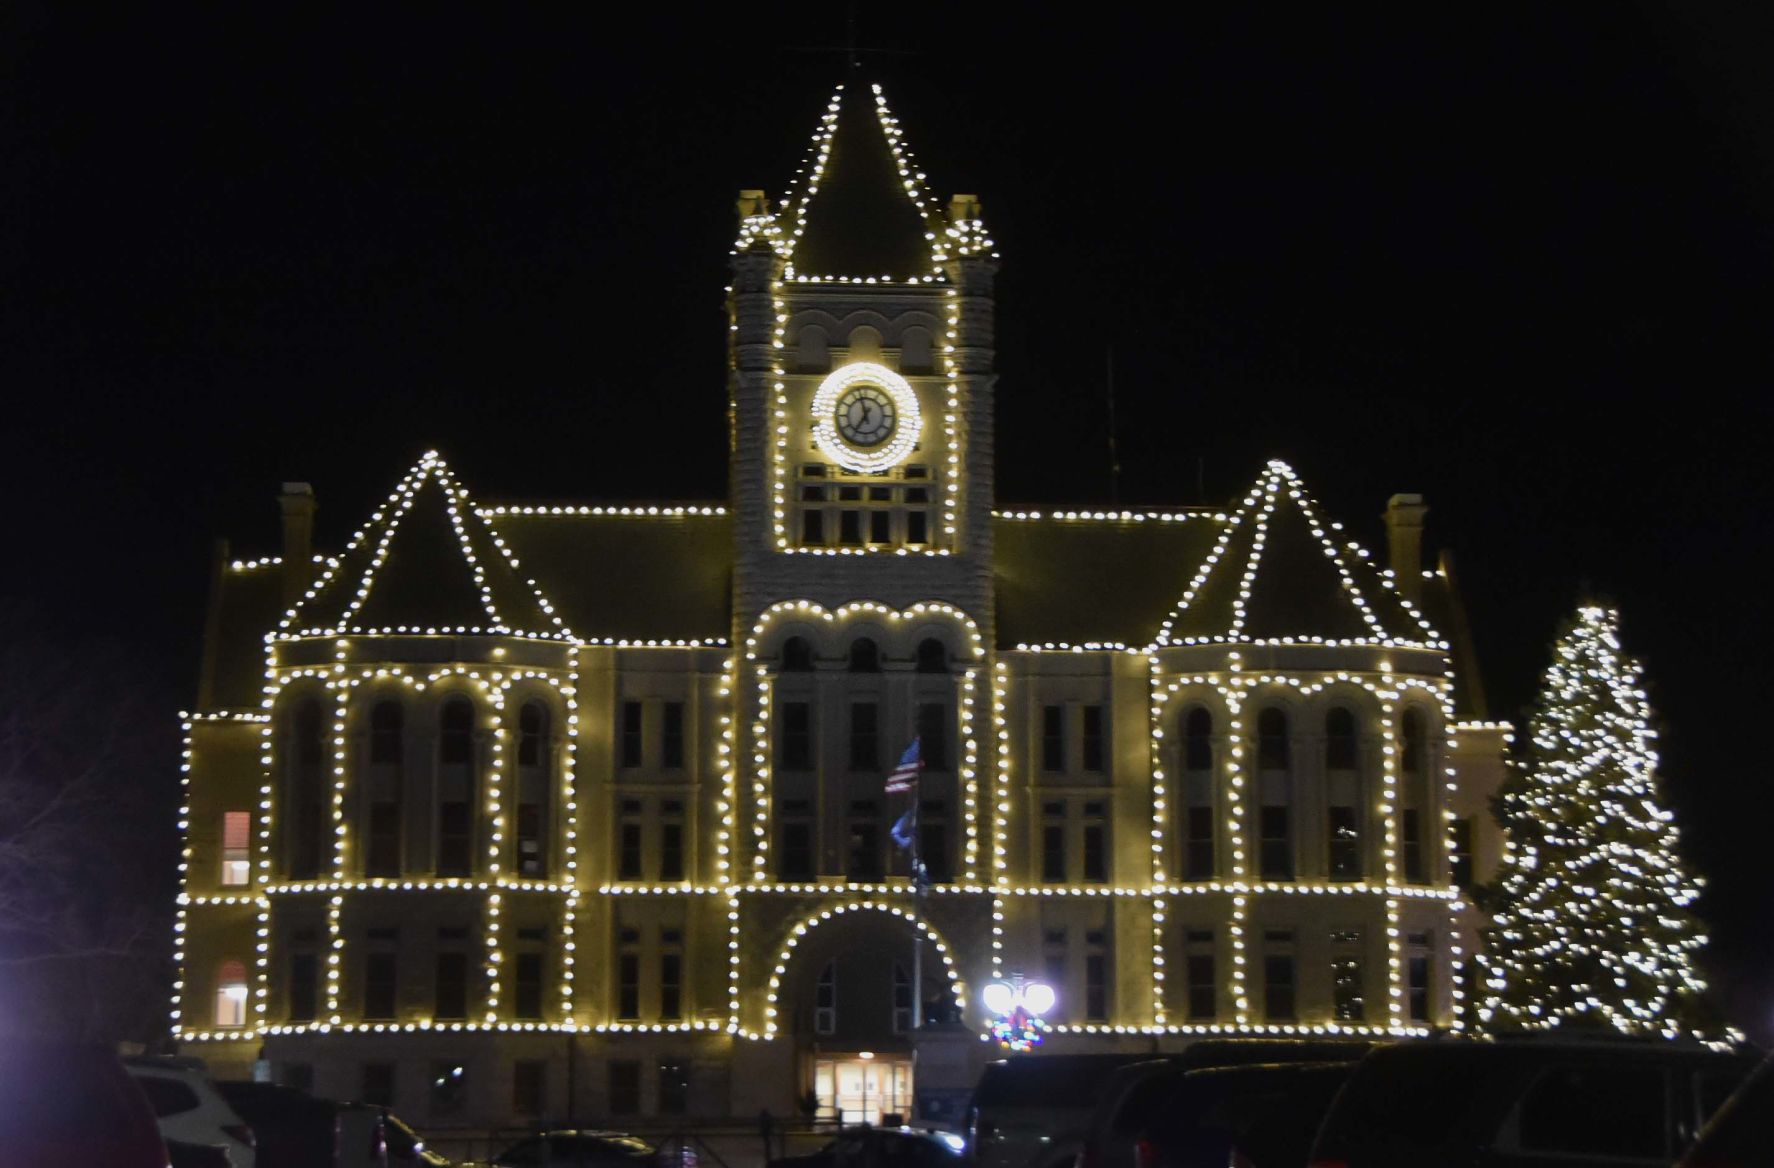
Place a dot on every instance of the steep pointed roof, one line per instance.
(1277, 574)
(860, 207)
(426, 560)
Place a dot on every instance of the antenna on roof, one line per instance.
(1114, 453)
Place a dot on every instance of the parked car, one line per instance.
(881, 1147)
(297, 1130)
(1526, 1102)
(1262, 1117)
(1131, 1094)
(578, 1149)
(73, 1104)
(189, 1108)
(1032, 1111)
(1741, 1132)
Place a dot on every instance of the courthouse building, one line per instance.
(504, 811)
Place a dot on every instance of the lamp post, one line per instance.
(1017, 1007)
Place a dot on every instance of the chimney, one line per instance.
(752, 204)
(1404, 543)
(297, 501)
(963, 207)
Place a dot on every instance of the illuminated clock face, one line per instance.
(866, 416)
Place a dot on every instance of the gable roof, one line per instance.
(1277, 574)
(860, 208)
(426, 559)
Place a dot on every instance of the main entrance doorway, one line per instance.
(863, 1087)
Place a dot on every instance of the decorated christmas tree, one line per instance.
(1594, 924)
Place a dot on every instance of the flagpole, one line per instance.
(918, 930)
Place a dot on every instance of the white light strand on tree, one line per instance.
(1594, 923)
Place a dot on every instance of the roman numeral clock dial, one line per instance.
(866, 417)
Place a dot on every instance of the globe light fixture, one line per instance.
(1017, 1007)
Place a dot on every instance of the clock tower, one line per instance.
(861, 381)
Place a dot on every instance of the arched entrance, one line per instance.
(847, 990)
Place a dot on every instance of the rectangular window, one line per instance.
(1198, 856)
(1345, 844)
(628, 987)
(379, 986)
(917, 526)
(865, 745)
(671, 987)
(933, 846)
(526, 999)
(382, 851)
(933, 735)
(1096, 847)
(1053, 738)
(1417, 991)
(532, 861)
(1093, 738)
(1348, 1000)
(304, 1001)
(902, 999)
(378, 1084)
(455, 839)
(1413, 846)
(633, 744)
(825, 1000)
(628, 852)
(449, 1088)
(452, 986)
(625, 1087)
(1053, 843)
(236, 848)
(674, 1088)
(1278, 987)
(812, 528)
(1096, 984)
(1275, 848)
(1202, 987)
(528, 1079)
(1053, 960)
(794, 743)
(671, 843)
(849, 528)
(671, 736)
(865, 843)
(1461, 860)
(880, 527)
(794, 856)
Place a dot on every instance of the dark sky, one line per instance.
(1515, 258)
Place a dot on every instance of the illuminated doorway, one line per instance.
(861, 1088)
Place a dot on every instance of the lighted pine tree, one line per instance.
(1593, 909)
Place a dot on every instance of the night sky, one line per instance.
(1516, 259)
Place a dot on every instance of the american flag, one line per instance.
(905, 776)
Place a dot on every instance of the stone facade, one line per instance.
(507, 812)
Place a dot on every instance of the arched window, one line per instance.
(1339, 740)
(456, 740)
(933, 656)
(825, 1000)
(915, 351)
(305, 839)
(231, 995)
(530, 840)
(811, 353)
(386, 722)
(797, 655)
(1412, 746)
(1198, 740)
(1272, 745)
(865, 656)
(532, 734)
(310, 735)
